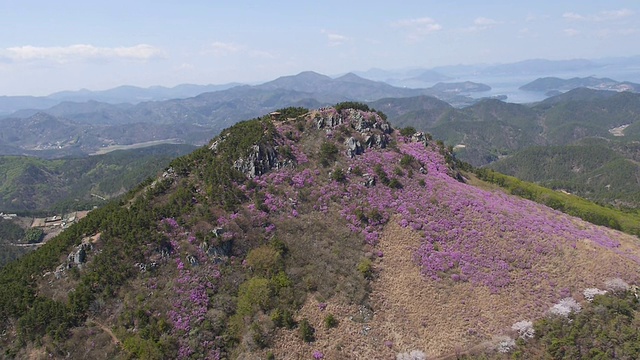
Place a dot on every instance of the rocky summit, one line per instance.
(322, 234)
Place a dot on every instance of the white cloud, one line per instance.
(535, 17)
(609, 15)
(418, 28)
(482, 23)
(77, 52)
(573, 16)
(185, 67)
(614, 14)
(571, 32)
(527, 33)
(220, 48)
(335, 39)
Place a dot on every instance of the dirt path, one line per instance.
(105, 329)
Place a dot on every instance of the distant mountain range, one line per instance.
(75, 128)
(554, 85)
(122, 94)
(307, 85)
(481, 130)
(413, 78)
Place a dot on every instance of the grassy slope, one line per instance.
(628, 222)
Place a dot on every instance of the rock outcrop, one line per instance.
(353, 147)
(260, 160)
(329, 121)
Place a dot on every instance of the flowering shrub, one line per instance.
(590, 293)
(616, 284)
(524, 328)
(565, 307)
(505, 345)
(190, 291)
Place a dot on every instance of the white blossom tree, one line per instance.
(565, 307)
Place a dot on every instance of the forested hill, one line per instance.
(596, 171)
(320, 234)
(33, 185)
(492, 128)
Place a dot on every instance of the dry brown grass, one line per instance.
(442, 318)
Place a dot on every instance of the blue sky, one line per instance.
(48, 46)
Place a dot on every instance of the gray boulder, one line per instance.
(353, 147)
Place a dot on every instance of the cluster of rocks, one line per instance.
(359, 121)
(144, 267)
(75, 258)
(373, 130)
(222, 251)
(331, 120)
(419, 137)
(261, 159)
(362, 124)
(217, 142)
(192, 260)
(169, 173)
(369, 180)
(353, 147)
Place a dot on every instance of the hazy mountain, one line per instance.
(556, 84)
(299, 239)
(459, 87)
(120, 95)
(349, 86)
(85, 127)
(540, 66)
(133, 94)
(430, 76)
(11, 104)
(91, 111)
(423, 110)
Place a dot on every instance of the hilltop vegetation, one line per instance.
(325, 234)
